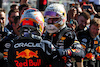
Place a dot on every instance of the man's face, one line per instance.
(2, 18)
(94, 31)
(74, 12)
(82, 22)
(15, 27)
(12, 16)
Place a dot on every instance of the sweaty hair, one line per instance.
(85, 14)
(95, 21)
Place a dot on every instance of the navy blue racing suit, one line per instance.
(5, 43)
(90, 46)
(31, 52)
(66, 40)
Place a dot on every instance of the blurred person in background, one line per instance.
(71, 14)
(71, 18)
(90, 40)
(3, 21)
(5, 39)
(23, 1)
(11, 15)
(79, 10)
(89, 8)
(15, 26)
(83, 20)
(12, 7)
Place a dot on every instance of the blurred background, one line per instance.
(7, 3)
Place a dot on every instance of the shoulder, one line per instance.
(6, 30)
(82, 32)
(69, 32)
(83, 37)
(46, 42)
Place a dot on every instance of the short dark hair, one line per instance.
(11, 12)
(2, 10)
(13, 5)
(85, 14)
(95, 21)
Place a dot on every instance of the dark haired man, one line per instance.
(90, 40)
(83, 20)
(11, 15)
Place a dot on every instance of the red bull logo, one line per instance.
(27, 54)
(28, 62)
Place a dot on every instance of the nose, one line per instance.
(84, 24)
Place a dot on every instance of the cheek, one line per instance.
(79, 22)
(90, 30)
(17, 26)
(11, 20)
(88, 22)
(4, 20)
